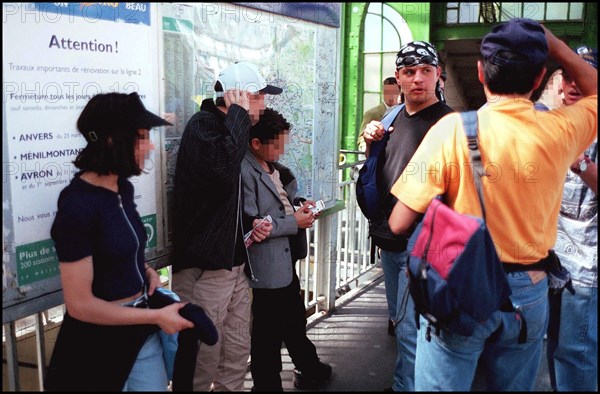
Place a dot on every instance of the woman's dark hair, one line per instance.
(111, 138)
(510, 80)
(270, 124)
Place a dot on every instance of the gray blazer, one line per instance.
(271, 259)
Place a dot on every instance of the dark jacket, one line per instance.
(207, 226)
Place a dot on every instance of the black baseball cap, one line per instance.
(106, 113)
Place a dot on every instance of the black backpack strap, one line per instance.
(471, 128)
(387, 121)
(373, 252)
(390, 117)
(507, 306)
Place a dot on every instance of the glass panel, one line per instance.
(576, 11)
(400, 24)
(469, 13)
(557, 11)
(375, 8)
(370, 100)
(395, 18)
(510, 10)
(534, 11)
(452, 5)
(452, 16)
(391, 39)
(389, 64)
(372, 33)
(372, 71)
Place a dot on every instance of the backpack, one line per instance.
(367, 193)
(456, 279)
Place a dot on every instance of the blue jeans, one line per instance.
(448, 361)
(402, 311)
(148, 372)
(573, 355)
(391, 269)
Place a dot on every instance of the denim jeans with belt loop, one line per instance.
(402, 312)
(573, 355)
(149, 372)
(448, 362)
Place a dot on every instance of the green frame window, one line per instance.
(384, 32)
(465, 13)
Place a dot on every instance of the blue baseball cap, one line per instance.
(521, 36)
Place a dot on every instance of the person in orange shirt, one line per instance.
(526, 154)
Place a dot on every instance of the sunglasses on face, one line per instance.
(411, 60)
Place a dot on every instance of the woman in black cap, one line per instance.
(109, 338)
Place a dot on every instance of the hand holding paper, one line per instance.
(260, 230)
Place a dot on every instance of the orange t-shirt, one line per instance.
(526, 155)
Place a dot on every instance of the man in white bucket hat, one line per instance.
(210, 262)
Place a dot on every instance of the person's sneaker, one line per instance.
(262, 390)
(312, 380)
(391, 328)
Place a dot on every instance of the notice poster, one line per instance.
(56, 56)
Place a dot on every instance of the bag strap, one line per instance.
(391, 116)
(470, 124)
(585, 187)
(387, 121)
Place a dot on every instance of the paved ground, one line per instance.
(354, 341)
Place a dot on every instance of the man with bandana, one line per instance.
(417, 74)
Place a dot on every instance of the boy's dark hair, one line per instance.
(269, 126)
(509, 80)
(111, 137)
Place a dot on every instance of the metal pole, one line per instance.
(40, 343)
(11, 357)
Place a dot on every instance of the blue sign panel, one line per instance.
(137, 13)
(322, 13)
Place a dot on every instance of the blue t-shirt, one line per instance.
(94, 221)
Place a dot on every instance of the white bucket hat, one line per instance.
(245, 76)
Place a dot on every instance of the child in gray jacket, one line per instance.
(279, 313)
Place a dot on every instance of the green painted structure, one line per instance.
(426, 22)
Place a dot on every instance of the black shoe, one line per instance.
(391, 328)
(314, 379)
(264, 389)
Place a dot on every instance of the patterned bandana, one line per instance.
(416, 53)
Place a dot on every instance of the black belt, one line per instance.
(541, 265)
